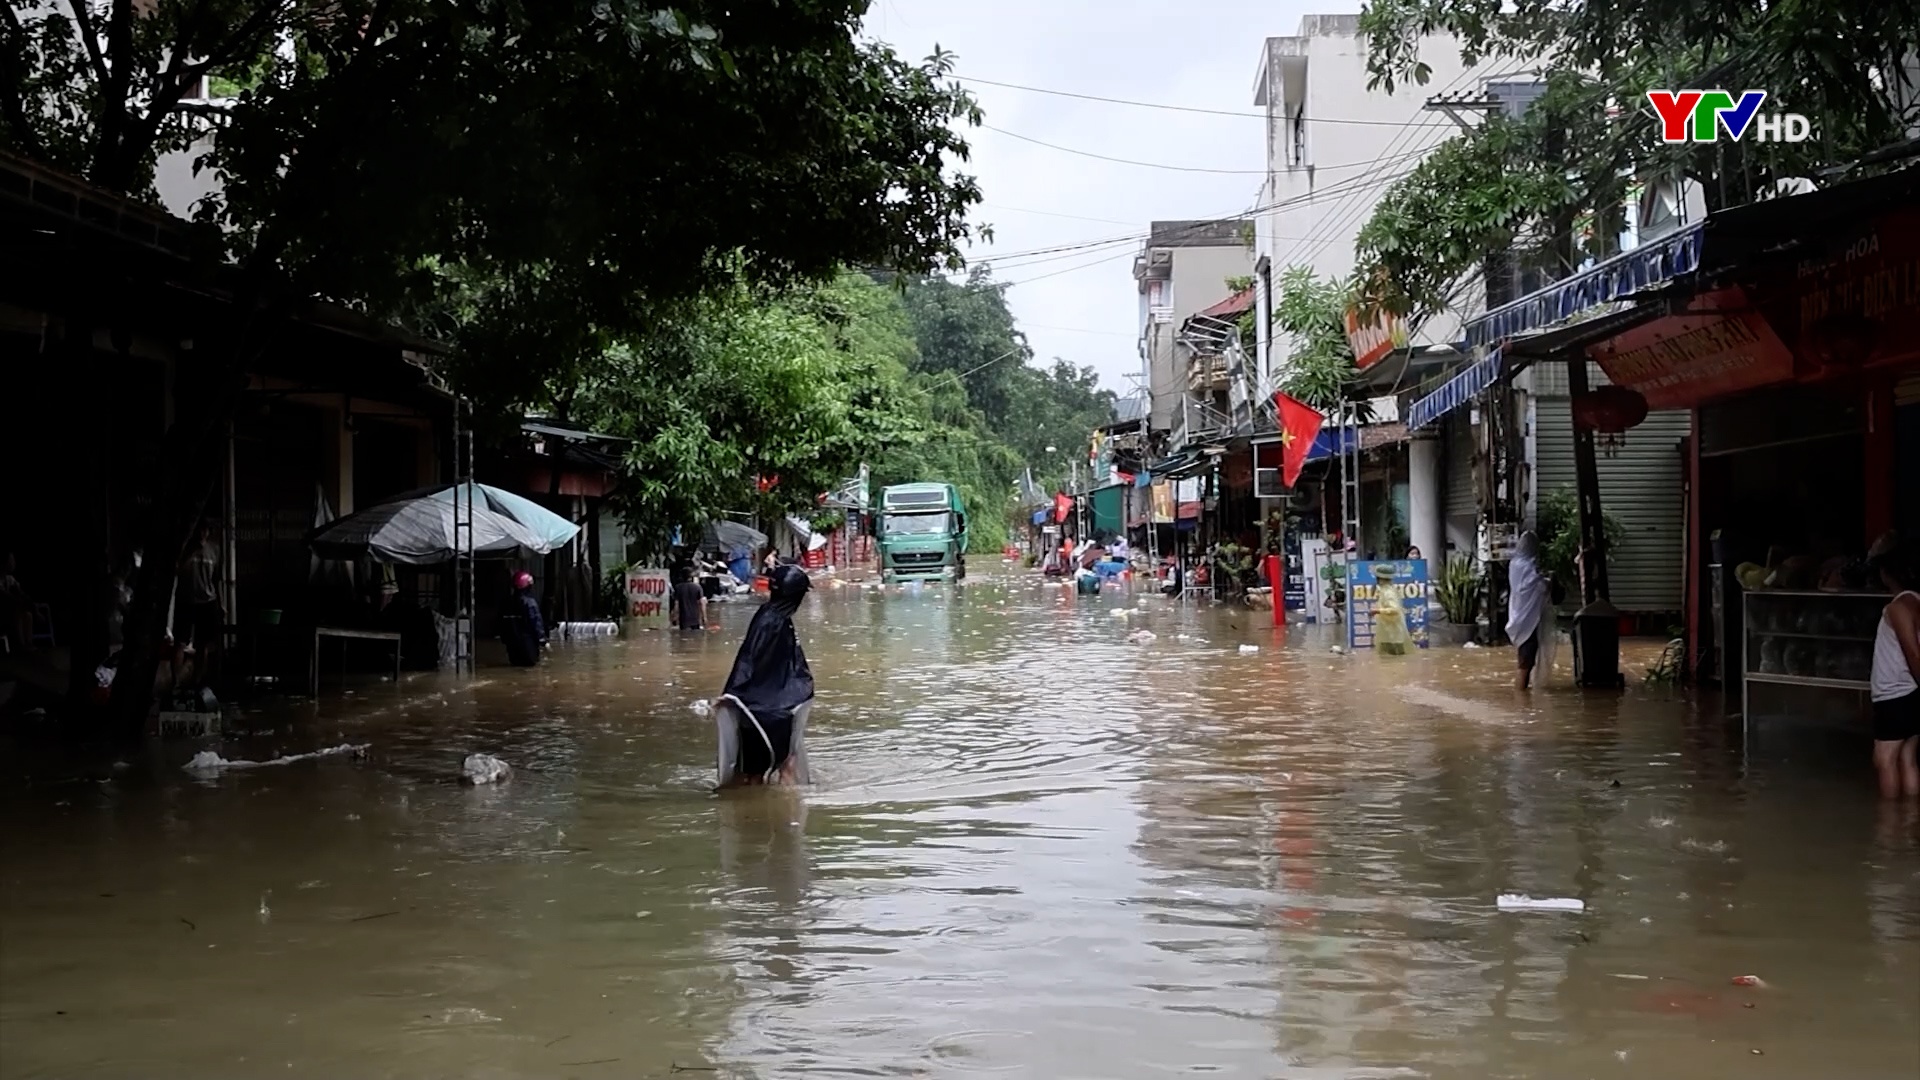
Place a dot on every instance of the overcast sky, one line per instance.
(1082, 305)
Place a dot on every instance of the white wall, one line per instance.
(174, 178)
(1322, 189)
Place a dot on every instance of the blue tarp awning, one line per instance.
(1040, 516)
(1615, 279)
(1457, 391)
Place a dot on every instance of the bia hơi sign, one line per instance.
(1387, 592)
(647, 592)
(1700, 116)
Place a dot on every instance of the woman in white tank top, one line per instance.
(1895, 692)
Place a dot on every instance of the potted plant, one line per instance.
(1458, 590)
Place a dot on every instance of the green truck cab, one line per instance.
(922, 533)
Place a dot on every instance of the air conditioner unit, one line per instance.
(1267, 485)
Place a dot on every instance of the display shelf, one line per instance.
(1797, 653)
(1808, 680)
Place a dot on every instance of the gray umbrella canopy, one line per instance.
(730, 536)
(420, 532)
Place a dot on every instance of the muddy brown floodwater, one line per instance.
(1035, 850)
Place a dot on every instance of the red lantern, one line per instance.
(1609, 409)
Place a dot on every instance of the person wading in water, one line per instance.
(521, 627)
(769, 690)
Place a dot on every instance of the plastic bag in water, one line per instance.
(484, 769)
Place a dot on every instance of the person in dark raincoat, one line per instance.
(770, 682)
(521, 627)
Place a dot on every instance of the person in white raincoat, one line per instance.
(1530, 611)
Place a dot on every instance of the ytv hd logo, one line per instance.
(1698, 115)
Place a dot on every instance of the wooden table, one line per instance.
(313, 671)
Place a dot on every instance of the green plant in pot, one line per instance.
(1458, 590)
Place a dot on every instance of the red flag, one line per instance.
(1062, 506)
(1299, 423)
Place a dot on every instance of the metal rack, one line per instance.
(463, 496)
(1347, 450)
(1754, 635)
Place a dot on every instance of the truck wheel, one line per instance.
(960, 569)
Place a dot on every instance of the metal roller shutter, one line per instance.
(1459, 499)
(1641, 487)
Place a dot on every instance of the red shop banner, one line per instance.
(1721, 345)
(1858, 303)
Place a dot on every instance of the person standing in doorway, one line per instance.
(689, 602)
(1894, 684)
(1529, 607)
(199, 619)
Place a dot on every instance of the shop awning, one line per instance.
(1186, 463)
(1614, 280)
(1457, 391)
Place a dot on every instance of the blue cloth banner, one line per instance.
(1457, 391)
(1332, 441)
(1618, 278)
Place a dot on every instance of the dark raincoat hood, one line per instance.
(770, 674)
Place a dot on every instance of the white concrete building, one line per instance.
(1334, 146)
(1182, 269)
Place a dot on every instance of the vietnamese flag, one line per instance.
(1299, 424)
(1062, 506)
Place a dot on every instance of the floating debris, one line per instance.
(485, 769)
(1523, 902)
(208, 761)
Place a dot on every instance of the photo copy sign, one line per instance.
(647, 593)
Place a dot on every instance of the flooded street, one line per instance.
(1035, 850)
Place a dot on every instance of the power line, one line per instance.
(1162, 165)
(1125, 161)
(1128, 251)
(1185, 108)
(1337, 189)
(1055, 213)
(1342, 217)
(1075, 329)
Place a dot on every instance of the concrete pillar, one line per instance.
(1426, 502)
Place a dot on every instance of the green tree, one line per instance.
(1319, 368)
(1844, 64)
(531, 181)
(965, 330)
(736, 386)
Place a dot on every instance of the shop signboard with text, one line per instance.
(1373, 336)
(1721, 345)
(1858, 304)
(1365, 580)
(647, 592)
